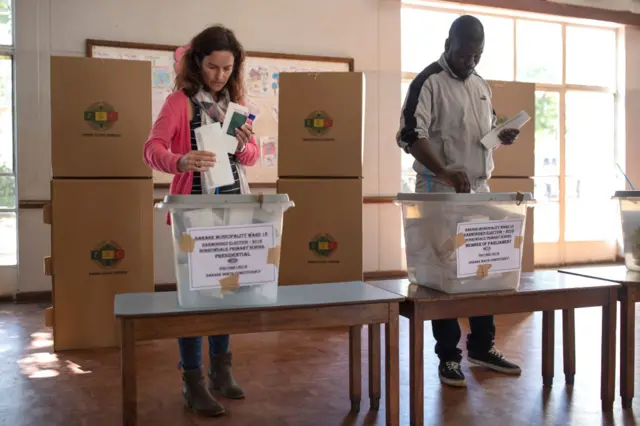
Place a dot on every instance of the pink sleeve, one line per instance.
(156, 149)
(251, 153)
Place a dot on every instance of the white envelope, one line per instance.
(210, 138)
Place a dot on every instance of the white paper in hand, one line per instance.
(210, 138)
(491, 139)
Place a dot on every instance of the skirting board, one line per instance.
(45, 296)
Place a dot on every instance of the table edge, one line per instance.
(399, 299)
(599, 278)
(501, 293)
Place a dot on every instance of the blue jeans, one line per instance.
(447, 332)
(191, 350)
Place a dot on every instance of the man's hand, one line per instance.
(508, 136)
(458, 179)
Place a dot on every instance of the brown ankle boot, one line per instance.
(197, 396)
(221, 380)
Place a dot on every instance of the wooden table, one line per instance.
(541, 291)
(151, 316)
(628, 295)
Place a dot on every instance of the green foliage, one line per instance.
(546, 112)
(5, 12)
(7, 188)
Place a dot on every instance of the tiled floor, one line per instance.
(296, 379)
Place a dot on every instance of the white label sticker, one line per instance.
(229, 250)
(493, 243)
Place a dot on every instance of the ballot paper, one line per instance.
(234, 118)
(210, 138)
(491, 139)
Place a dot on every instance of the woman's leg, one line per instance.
(220, 375)
(194, 390)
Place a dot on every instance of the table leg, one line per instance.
(374, 366)
(355, 367)
(569, 344)
(548, 339)
(608, 372)
(627, 344)
(416, 370)
(128, 361)
(392, 367)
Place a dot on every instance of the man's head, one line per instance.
(465, 45)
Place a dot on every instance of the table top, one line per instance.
(613, 273)
(298, 296)
(530, 283)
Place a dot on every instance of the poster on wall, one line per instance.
(261, 80)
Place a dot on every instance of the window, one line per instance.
(8, 204)
(573, 65)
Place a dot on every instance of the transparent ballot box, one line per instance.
(630, 221)
(459, 243)
(226, 247)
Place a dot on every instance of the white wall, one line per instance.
(367, 30)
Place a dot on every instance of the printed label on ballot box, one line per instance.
(490, 246)
(231, 250)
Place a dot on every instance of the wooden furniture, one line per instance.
(540, 291)
(628, 296)
(151, 316)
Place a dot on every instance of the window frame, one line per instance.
(8, 52)
(562, 251)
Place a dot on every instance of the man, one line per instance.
(446, 113)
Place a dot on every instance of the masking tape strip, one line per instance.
(48, 317)
(483, 270)
(460, 240)
(273, 256)
(187, 243)
(46, 214)
(230, 283)
(517, 241)
(48, 266)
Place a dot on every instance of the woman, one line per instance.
(208, 77)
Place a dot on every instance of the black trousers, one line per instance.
(447, 334)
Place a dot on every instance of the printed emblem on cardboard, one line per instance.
(323, 245)
(107, 254)
(100, 116)
(318, 123)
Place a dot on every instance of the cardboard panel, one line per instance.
(100, 117)
(520, 185)
(321, 124)
(322, 234)
(102, 245)
(508, 99)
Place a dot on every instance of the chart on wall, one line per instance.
(261, 77)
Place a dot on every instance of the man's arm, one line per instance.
(413, 136)
(415, 121)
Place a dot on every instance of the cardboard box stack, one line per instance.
(101, 210)
(515, 164)
(320, 137)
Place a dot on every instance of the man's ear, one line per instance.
(447, 44)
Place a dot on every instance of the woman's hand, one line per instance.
(196, 161)
(243, 134)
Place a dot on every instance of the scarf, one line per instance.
(214, 112)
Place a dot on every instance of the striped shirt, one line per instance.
(196, 188)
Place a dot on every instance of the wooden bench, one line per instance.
(541, 291)
(151, 316)
(628, 296)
